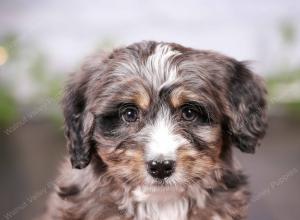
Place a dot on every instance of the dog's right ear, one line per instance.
(74, 102)
(79, 121)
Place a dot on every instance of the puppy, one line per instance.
(151, 129)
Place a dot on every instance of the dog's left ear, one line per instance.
(247, 108)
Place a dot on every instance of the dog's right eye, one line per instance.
(189, 114)
(129, 113)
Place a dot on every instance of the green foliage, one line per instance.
(278, 89)
(46, 83)
(10, 42)
(284, 77)
(283, 85)
(8, 107)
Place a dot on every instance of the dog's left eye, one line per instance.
(195, 113)
(129, 113)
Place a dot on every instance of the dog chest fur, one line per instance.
(162, 204)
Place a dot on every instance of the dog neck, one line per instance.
(162, 203)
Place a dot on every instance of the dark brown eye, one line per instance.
(197, 113)
(129, 113)
(189, 114)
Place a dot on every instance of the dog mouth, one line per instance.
(174, 182)
(166, 185)
(160, 183)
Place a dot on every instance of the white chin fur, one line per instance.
(160, 203)
(163, 202)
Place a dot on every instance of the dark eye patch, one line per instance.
(111, 120)
(108, 123)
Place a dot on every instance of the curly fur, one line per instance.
(107, 178)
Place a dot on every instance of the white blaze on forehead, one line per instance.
(163, 142)
(159, 70)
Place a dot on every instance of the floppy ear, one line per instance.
(77, 131)
(79, 122)
(247, 104)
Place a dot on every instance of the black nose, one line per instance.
(161, 169)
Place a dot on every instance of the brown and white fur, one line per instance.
(185, 105)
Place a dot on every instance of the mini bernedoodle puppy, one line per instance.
(151, 129)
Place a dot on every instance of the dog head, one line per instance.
(160, 113)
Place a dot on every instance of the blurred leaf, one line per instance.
(11, 44)
(8, 107)
(283, 88)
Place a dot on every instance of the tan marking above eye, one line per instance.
(181, 95)
(137, 93)
(142, 100)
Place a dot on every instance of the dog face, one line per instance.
(163, 114)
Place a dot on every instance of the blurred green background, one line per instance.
(41, 42)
